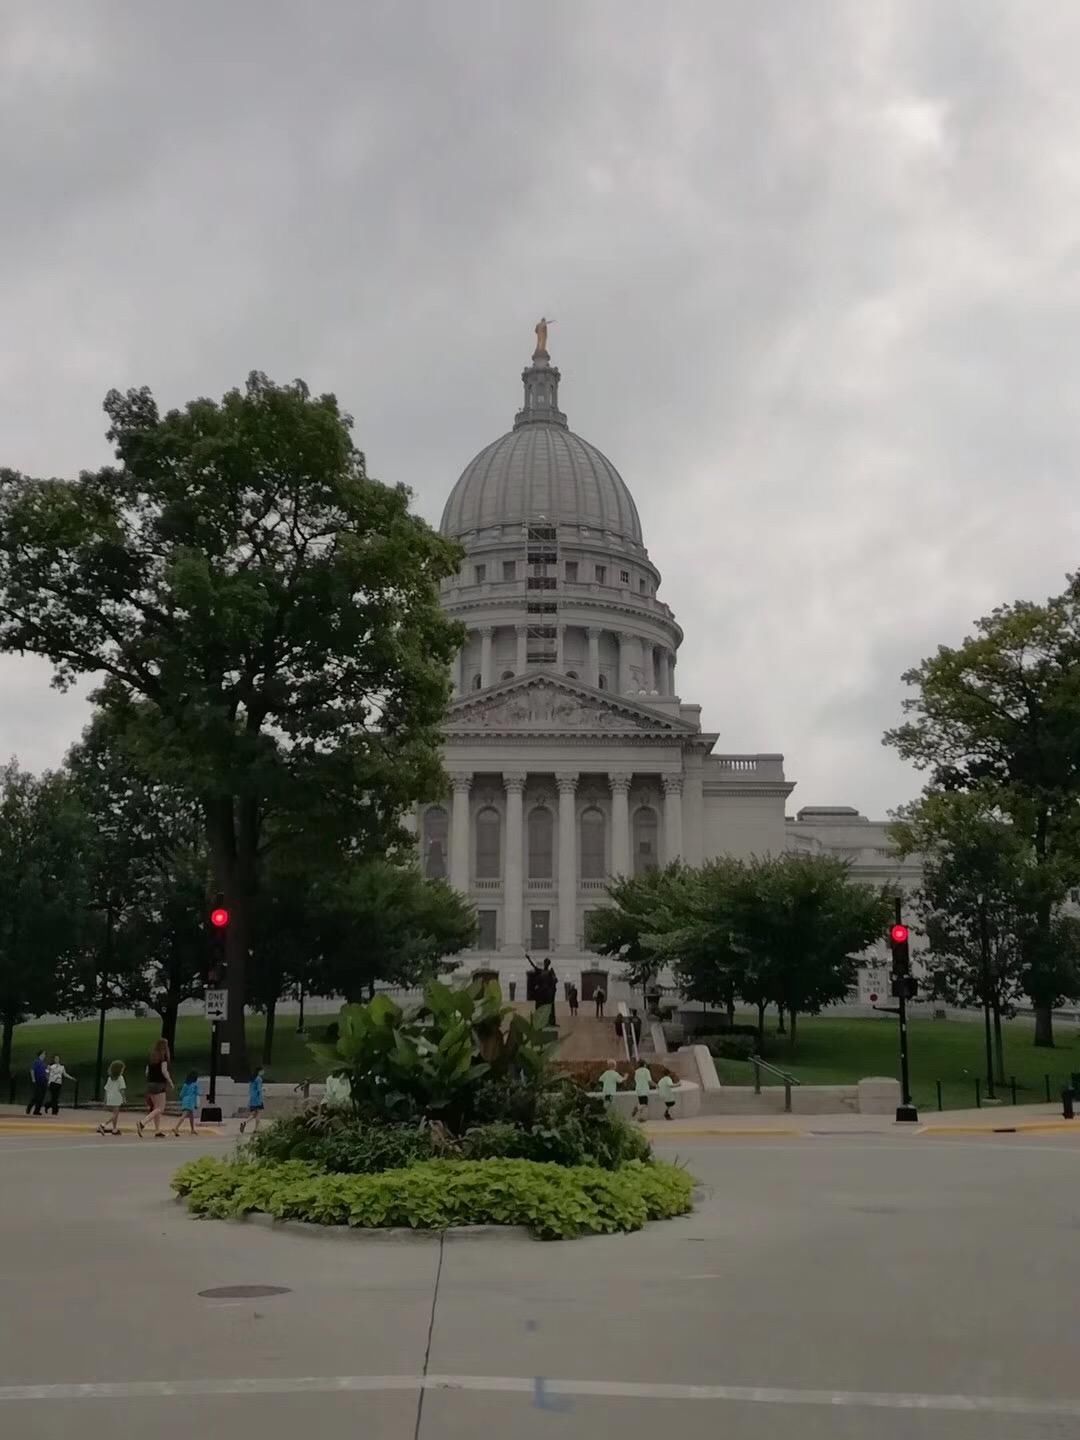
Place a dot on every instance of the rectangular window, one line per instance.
(571, 571)
(601, 574)
(541, 582)
(641, 586)
(540, 929)
(485, 936)
(479, 574)
(509, 569)
(624, 576)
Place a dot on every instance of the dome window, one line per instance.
(479, 574)
(571, 571)
(507, 675)
(624, 576)
(601, 574)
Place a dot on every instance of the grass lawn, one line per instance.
(840, 1051)
(296, 1057)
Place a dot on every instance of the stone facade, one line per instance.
(571, 756)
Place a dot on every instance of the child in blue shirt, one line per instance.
(255, 1101)
(189, 1102)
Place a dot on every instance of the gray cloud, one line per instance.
(813, 267)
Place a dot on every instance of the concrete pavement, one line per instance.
(847, 1284)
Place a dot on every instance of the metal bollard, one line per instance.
(75, 1101)
(978, 1093)
(1067, 1103)
(1047, 1079)
(11, 1091)
(1012, 1087)
(940, 1105)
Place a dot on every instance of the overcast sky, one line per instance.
(814, 267)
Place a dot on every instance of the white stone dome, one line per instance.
(540, 472)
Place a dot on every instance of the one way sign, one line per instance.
(217, 1004)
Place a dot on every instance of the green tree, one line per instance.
(274, 607)
(43, 898)
(147, 872)
(630, 928)
(970, 902)
(381, 920)
(1000, 715)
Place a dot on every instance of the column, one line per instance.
(457, 673)
(673, 828)
(593, 675)
(693, 808)
(513, 869)
(522, 633)
(671, 673)
(560, 648)
(486, 677)
(568, 878)
(620, 823)
(460, 833)
(625, 641)
(648, 666)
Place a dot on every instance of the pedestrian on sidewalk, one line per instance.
(255, 1101)
(600, 999)
(665, 1088)
(57, 1076)
(573, 1000)
(610, 1081)
(189, 1102)
(39, 1080)
(158, 1083)
(115, 1095)
(642, 1086)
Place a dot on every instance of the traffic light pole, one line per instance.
(212, 1093)
(906, 1111)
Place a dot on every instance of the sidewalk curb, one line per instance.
(1033, 1127)
(757, 1133)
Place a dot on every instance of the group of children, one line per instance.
(611, 1080)
(116, 1097)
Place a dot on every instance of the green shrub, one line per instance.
(555, 1202)
(367, 1149)
(730, 1046)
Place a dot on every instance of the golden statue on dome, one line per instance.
(541, 334)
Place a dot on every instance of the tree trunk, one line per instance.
(1044, 1026)
(791, 1029)
(268, 1033)
(780, 1020)
(169, 1014)
(999, 1044)
(6, 1047)
(731, 1008)
(761, 1027)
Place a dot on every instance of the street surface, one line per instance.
(830, 1285)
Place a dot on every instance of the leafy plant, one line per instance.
(729, 1047)
(553, 1201)
(428, 1062)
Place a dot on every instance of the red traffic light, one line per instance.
(899, 934)
(873, 998)
(219, 917)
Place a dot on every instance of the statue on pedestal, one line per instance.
(541, 334)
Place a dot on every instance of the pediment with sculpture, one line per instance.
(544, 704)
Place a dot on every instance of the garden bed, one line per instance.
(554, 1202)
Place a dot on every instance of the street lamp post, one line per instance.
(984, 947)
(106, 971)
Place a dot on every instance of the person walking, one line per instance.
(600, 1000)
(665, 1087)
(642, 1087)
(255, 1102)
(39, 1080)
(57, 1076)
(573, 1001)
(189, 1102)
(610, 1081)
(115, 1095)
(158, 1083)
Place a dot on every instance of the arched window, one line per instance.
(507, 675)
(571, 674)
(602, 682)
(476, 682)
(646, 831)
(541, 844)
(593, 844)
(487, 828)
(436, 834)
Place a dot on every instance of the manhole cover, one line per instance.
(876, 1209)
(243, 1292)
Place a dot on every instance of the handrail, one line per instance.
(629, 1034)
(759, 1064)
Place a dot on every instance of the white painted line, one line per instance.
(522, 1385)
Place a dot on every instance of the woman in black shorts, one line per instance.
(158, 1083)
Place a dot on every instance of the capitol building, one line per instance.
(571, 754)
